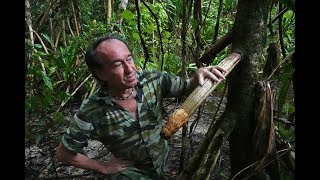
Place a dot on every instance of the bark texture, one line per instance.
(249, 38)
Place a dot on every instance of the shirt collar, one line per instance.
(103, 94)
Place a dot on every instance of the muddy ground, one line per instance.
(40, 164)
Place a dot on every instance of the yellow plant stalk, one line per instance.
(180, 116)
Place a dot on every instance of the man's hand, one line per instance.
(215, 73)
(115, 165)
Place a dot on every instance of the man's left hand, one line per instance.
(215, 73)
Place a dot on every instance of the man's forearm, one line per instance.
(82, 161)
(114, 165)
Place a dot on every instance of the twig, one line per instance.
(43, 45)
(279, 65)
(253, 164)
(65, 101)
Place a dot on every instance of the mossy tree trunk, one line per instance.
(249, 39)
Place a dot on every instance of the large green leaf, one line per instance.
(285, 82)
(126, 14)
(47, 80)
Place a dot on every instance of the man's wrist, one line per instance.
(102, 167)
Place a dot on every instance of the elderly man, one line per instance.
(125, 113)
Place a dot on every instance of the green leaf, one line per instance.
(52, 70)
(194, 23)
(47, 38)
(47, 80)
(192, 66)
(126, 14)
(289, 108)
(286, 133)
(151, 28)
(132, 23)
(285, 81)
(223, 175)
(167, 34)
(38, 46)
(220, 86)
(40, 53)
(58, 117)
(136, 35)
(38, 138)
(28, 135)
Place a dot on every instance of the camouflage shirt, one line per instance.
(124, 136)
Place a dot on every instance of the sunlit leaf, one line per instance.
(127, 14)
(38, 46)
(167, 34)
(136, 35)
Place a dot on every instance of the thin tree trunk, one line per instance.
(183, 73)
(44, 16)
(64, 35)
(75, 18)
(58, 37)
(123, 6)
(108, 9)
(29, 21)
(51, 34)
(216, 28)
(198, 18)
(29, 24)
(48, 13)
(69, 26)
(146, 53)
(183, 37)
(220, 44)
(185, 21)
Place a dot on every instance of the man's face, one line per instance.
(119, 70)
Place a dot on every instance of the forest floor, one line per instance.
(39, 164)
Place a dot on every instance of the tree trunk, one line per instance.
(29, 21)
(184, 30)
(249, 38)
(108, 9)
(74, 13)
(198, 18)
(123, 6)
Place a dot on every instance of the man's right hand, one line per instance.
(115, 165)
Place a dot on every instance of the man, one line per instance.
(125, 113)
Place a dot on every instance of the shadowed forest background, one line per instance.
(245, 129)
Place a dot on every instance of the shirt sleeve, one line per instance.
(77, 135)
(173, 86)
